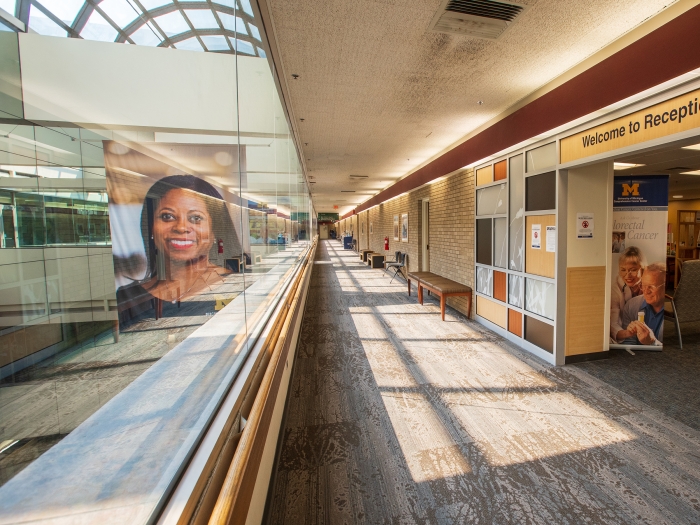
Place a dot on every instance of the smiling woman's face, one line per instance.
(629, 271)
(182, 226)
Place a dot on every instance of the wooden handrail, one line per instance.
(233, 502)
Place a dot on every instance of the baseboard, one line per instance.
(571, 359)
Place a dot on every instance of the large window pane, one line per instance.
(517, 214)
(137, 258)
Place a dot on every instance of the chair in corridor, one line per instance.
(397, 264)
(685, 303)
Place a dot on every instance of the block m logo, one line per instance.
(630, 190)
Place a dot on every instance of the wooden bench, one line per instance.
(441, 287)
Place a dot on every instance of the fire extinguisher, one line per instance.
(221, 246)
(386, 243)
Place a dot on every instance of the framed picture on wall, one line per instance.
(404, 227)
(396, 227)
(362, 227)
(371, 229)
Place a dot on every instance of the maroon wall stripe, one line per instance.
(664, 54)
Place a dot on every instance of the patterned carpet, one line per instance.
(396, 418)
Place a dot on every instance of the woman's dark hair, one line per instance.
(221, 223)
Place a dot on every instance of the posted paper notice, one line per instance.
(584, 225)
(551, 239)
(536, 242)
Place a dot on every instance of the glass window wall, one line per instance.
(141, 258)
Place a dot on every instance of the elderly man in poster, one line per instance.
(643, 316)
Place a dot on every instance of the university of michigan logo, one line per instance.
(630, 189)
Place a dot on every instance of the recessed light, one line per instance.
(295, 76)
(480, 102)
(678, 196)
(692, 146)
(696, 172)
(625, 165)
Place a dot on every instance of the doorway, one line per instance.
(323, 231)
(425, 236)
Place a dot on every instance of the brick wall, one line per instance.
(452, 208)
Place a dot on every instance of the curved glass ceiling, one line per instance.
(219, 26)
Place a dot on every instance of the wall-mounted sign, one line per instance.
(551, 239)
(325, 217)
(536, 237)
(666, 118)
(584, 225)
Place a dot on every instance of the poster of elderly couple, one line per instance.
(640, 215)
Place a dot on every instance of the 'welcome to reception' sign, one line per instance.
(672, 116)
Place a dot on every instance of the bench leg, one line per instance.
(409, 288)
(420, 293)
(469, 309)
(442, 306)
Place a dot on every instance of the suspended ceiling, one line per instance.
(380, 94)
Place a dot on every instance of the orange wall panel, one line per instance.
(499, 285)
(500, 170)
(515, 322)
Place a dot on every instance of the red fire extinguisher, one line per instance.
(221, 246)
(386, 243)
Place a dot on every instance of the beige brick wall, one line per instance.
(452, 208)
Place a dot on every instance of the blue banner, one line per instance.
(644, 191)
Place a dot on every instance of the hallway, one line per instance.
(397, 417)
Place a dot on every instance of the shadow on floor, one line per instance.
(395, 418)
(668, 381)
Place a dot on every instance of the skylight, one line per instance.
(219, 26)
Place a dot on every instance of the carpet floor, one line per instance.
(395, 417)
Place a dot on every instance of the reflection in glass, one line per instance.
(484, 280)
(542, 158)
(118, 268)
(492, 200)
(517, 213)
(540, 298)
(500, 242)
(515, 290)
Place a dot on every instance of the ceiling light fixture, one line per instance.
(625, 165)
(480, 102)
(696, 172)
(692, 146)
(678, 196)
(295, 76)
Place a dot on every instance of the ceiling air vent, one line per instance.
(477, 18)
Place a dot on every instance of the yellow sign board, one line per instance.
(666, 118)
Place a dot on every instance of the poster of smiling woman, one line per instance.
(174, 223)
(638, 244)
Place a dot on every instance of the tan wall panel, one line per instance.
(585, 310)
(539, 262)
(484, 175)
(492, 311)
